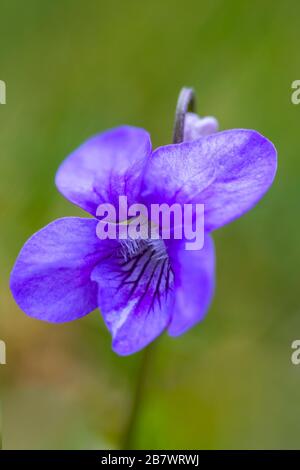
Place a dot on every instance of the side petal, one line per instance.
(135, 298)
(51, 277)
(104, 167)
(194, 281)
(228, 172)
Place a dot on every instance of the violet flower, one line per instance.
(65, 271)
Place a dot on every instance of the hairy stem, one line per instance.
(186, 102)
(129, 435)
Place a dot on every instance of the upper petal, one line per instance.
(176, 173)
(135, 295)
(227, 171)
(51, 277)
(194, 281)
(246, 164)
(104, 167)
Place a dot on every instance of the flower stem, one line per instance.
(186, 102)
(129, 436)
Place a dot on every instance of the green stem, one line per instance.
(129, 435)
(186, 102)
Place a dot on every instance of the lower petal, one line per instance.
(135, 295)
(51, 277)
(194, 280)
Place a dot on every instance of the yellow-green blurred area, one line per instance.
(74, 68)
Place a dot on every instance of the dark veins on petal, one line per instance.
(146, 271)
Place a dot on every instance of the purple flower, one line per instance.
(142, 287)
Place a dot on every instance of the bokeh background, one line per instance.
(74, 68)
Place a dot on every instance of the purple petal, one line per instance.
(227, 171)
(135, 294)
(196, 126)
(176, 173)
(51, 277)
(105, 166)
(246, 164)
(194, 280)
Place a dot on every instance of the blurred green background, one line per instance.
(74, 68)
